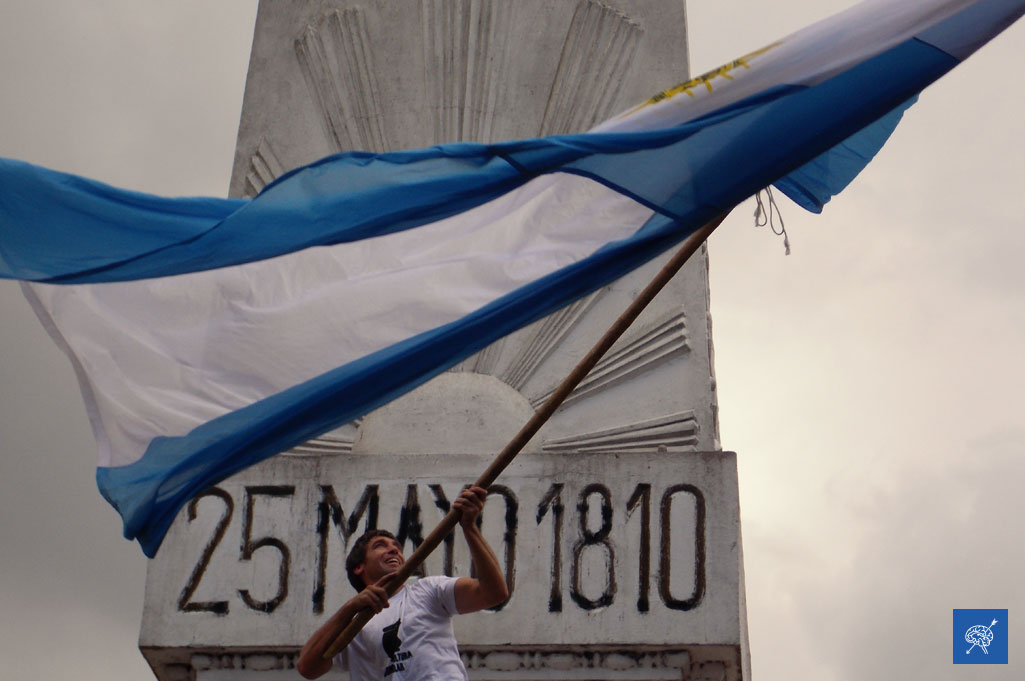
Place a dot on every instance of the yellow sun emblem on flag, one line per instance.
(706, 79)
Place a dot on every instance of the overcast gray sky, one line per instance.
(871, 382)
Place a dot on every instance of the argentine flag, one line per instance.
(209, 334)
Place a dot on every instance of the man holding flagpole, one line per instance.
(411, 635)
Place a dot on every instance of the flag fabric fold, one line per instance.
(209, 334)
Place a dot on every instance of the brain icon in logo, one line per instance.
(979, 635)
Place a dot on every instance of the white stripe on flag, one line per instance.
(166, 355)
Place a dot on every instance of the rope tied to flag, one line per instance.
(768, 216)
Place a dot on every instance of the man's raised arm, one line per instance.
(488, 588)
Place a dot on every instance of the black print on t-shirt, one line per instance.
(390, 640)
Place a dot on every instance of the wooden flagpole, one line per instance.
(505, 457)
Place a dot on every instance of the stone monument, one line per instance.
(618, 526)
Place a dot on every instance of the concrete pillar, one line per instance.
(619, 526)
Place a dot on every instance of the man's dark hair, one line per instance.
(358, 554)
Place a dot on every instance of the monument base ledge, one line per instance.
(606, 662)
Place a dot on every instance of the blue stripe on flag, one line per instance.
(812, 185)
(53, 223)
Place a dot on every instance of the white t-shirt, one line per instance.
(411, 639)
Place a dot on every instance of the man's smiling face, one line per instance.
(383, 557)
